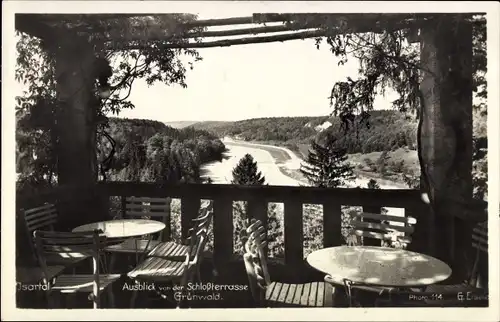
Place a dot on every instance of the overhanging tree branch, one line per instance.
(232, 42)
(166, 35)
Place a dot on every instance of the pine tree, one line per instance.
(373, 184)
(382, 163)
(246, 172)
(326, 165)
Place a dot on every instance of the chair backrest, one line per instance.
(70, 244)
(480, 244)
(145, 207)
(199, 232)
(382, 227)
(43, 217)
(198, 237)
(255, 260)
(148, 208)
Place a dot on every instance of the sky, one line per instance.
(291, 78)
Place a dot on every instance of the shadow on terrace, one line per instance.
(221, 267)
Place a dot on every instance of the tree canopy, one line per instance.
(37, 108)
(247, 173)
(326, 165)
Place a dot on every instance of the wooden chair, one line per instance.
(178, 251)
(158, 269)
(44, 218)
(467, 294)
(276, 294)
(66, 244)
(175, 250)
(381, 227)
(474, 284)
(143, 208)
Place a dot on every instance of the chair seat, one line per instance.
(82, 283)
(158, 269)
(170, 250)
(450, 288)
(31, 275)
(315, 294)
(133, 246)
(65, 259)
(174, 251)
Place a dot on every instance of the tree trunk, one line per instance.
(446, 133)
(76, 154)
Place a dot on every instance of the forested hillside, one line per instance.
(385, 130)
(148, 150)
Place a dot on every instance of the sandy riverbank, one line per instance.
(278, 165)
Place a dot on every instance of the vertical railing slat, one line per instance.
(293, 220)
(165, 234)
(420, 235)
(190, 206)
(223, 230)
(332, 224)
(123, 201)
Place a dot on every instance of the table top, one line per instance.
(382, 266)
(124, 228)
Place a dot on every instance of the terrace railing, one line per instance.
(94, 204)
(292, 198)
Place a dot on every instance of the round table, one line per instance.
(124, 228)
(380, 266)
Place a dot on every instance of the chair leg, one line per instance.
(112, 261)
(111, 296)
(198, 274)
(69, 301)
(215, 272)
(104, 263)
(53, 299)
(133, 300)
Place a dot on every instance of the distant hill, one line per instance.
(180, 124)
(212, 126)
(387, 130)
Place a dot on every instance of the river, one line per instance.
(269, 161)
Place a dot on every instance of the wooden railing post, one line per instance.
(123, 202)
(166, 233)
(190, 206)
(223, 231)
(332, 224)
(293, 218)
(422, 237)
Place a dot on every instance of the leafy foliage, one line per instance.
(387, 60)
(37, 108)
(150, 151)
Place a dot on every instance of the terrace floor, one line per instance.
(292, 269)
(233, 274)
